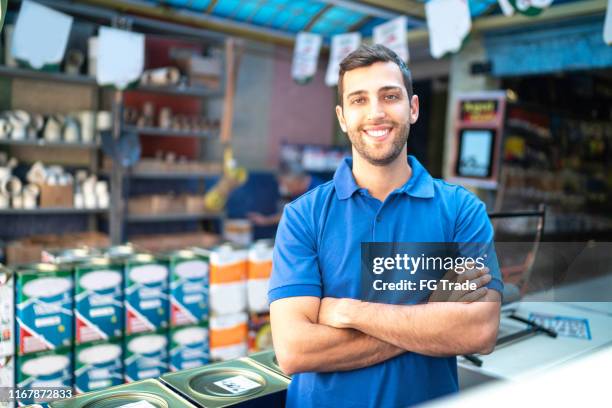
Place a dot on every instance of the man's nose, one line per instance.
(376, 111)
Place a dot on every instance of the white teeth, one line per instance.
(377, 133)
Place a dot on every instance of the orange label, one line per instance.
(228, 337)
(260, 270)
(231, 273)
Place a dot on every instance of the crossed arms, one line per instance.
(324, 335)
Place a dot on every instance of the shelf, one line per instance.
(47, 76)
(180, 91)
(52, 211)
(44, 143)
(153, 131)
(173, 217)
(173, 175)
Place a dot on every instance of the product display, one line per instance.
(98, 299)
(145, 356)
(145, 394)
(146, 294)
(189, 347)
(228, 280)
(7, 313)
(43, 307)
(230, 383)
(259, 271)
(189, 270)
(228, 336)
(98, 366)
(44, 368)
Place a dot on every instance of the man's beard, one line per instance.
(367, 152)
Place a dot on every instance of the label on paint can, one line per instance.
(237, 384)
(52, 369)
(98, 366)
(7, 313)
(145, 356)
(98, 302)
(139, 404)
(146, 296)
(189, 347)
(188, 291)
(43, 308)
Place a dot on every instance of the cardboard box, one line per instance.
(56, 196)
(149, 204)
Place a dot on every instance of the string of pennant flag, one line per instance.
(448, 22)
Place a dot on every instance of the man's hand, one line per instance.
(258, 219)
(335, 312)
(480, 277)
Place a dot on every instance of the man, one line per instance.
(345, 352)
(293, 181)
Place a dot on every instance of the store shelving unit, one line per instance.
(154, 131)
(117, 216)
(148, 218)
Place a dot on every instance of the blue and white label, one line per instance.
(98, 367)
(146, 298)
(189, 292)
(564, 326)
(146, 357)
(190, 348)
(99, 306)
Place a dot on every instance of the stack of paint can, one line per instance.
(146, 317)
(44, 326)
(259, 271)
(7, 321)
(189, 273)
(228, 302)
(98, 324)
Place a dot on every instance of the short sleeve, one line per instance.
(474, 230)
(295, 269)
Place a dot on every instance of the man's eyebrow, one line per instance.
(383, 89)
(356, 93)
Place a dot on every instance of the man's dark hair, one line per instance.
(366, 55)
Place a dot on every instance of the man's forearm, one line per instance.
(319, 348)
(436, 329)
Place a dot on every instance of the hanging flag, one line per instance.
(341, 46)
(448, 22)
(305, 56)
(393, 35)
(41, 35)
(506, 7)
(607, 32)
(530, 7)
(120, 57)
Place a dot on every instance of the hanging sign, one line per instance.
(305, 56)
(530, 7)
(448, 22)
(393, 35)
(341, 46)
(120, 57)
(41, 35)
(607, 32)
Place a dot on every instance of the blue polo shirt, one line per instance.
(317, 253)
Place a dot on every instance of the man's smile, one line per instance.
(379, 133)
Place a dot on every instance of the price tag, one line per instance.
(564, 326)
(237, 384)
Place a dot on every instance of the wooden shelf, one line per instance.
(47, 76)
(142, 218)
(52, 211)
(154, 131)
(44, 143)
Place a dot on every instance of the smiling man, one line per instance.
(341, 350)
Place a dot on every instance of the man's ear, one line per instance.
(414, 109)
(340, 116)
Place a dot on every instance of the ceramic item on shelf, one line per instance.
(71, 131)
(53, 128)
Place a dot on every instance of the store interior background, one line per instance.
(556, 150)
